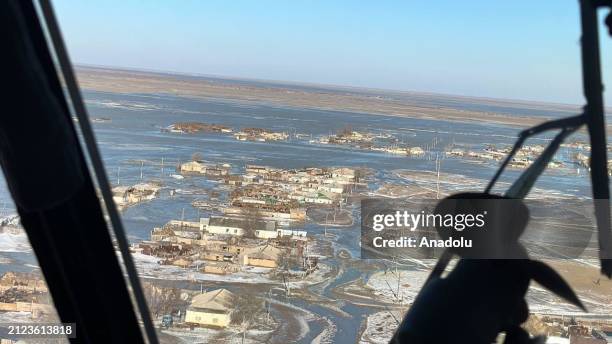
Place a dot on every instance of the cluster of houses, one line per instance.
(260, 134)
(21, 281)
(125, 196)
(246, 134)
(385, 143)
(527, 155)
(570, 330)
(194, 127)
(24, 292)
(400, 150)
(523, 158)
(225, 245)
(347, 136)
(203, 168)
(584, 160)
(248, 232)
(276, 194)
(282, 193)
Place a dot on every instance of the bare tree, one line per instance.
(247, 309)
(346, 131)
(197, 157)
(163, 300)
(359, 174)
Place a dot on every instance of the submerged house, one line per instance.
(212, 308)
(193, 166)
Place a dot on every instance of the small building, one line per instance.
(319, 198)
(416, 151)
(216, 171)
(212, 308)
(264, 234)
(220, 268)
(579, 334)
(263, 256)
(262, 260)
(455, 152)
(235, 180)
(194, 167)
(291, 233)
(159, 234)
(257, 170)
(234, 226)
(182, 263)
(129, 195)
(217, 256)
(222, 225)
(22, 281)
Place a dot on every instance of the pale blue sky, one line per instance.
(505, 49)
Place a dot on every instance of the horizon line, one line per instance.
(328, 86)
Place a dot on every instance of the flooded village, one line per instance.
(574, 155)
(254, 226)
(244, 219)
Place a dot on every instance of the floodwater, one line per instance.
(134, 149)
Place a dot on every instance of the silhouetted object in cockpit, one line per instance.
(479, 299)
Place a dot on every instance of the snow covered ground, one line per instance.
(148, 267)
(384, 285)
(16, 317)
(10, 242)
(12, 236)
(380, 327)
(318, 276)
(542, 301)
(209, 335)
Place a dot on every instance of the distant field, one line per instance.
(318, 97)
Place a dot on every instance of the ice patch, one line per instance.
(14, 243)
(385, 285)
(16, 317)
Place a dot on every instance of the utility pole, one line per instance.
(399, 298)
(325, 224)
(269, 303)
(438, 177)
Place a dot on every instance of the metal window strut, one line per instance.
(520, 188)
(592, 117)
(98, 166)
